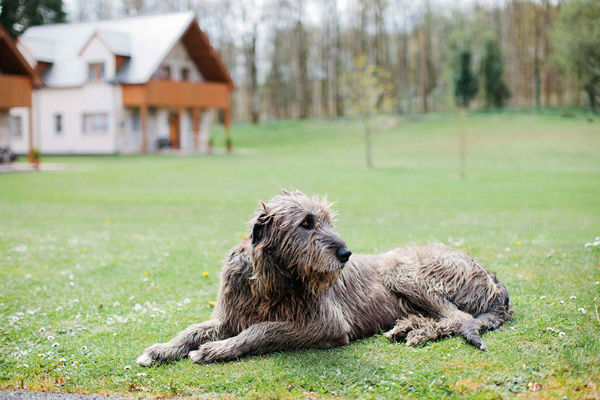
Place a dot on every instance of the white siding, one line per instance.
(72, 104)
(20, 144)
(178, 59)
(97, 52)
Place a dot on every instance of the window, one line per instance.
(94, 123)
(164, 72)
(185, 74)
(58, 124)
(135, 121)
(16, 126)
(96, 71)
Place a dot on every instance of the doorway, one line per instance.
(174, 134)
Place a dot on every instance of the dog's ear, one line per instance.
(261, 225)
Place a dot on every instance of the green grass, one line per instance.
(107, 257)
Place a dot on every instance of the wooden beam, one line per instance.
(227, 124)
(144, 120)
(196, 129)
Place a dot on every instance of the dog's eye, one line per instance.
(308, 223)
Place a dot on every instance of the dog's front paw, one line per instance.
(213, 351)
(155, 354)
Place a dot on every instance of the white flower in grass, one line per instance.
(186, 301)
(62, 360)
(507, 249)
(562, 302)
(42, 329)
(127, 367)
(55, 344)
(597, 283)
(83, 348)
(542, 297)
(561, 334)
(50, 338)
(116, 304)
(583, 310)
(572, 297)
(28, 276)
(137, 307)
(141, 374)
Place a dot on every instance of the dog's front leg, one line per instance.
(266, 337)
(179, 347)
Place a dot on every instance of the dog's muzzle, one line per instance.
(343, 253)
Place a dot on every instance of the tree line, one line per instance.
(295, 58)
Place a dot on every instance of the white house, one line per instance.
(119, 86)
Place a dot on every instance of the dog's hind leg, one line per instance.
(187, 340)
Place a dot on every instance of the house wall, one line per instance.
(19, 144)
(178, 59)
(96, 52)
(72, 103)
(4, 128)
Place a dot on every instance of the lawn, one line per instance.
(116, 253)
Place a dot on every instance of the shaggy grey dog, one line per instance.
(292, 284)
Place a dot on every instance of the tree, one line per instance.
(18, 15)
(465, 88)
(465, 82)
(369, 91)
(577, 45)
(492, 68)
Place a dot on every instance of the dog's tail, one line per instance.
(496, 314)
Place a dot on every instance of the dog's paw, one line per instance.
(417, 337)
(155, 354)
(399, 331)
(211, 352)
(145, 360)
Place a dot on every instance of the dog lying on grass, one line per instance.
(293, 284)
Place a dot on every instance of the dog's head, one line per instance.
(292, 235)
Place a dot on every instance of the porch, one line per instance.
(181, 98)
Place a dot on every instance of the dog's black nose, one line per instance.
(343, 254)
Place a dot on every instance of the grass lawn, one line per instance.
(116, 253)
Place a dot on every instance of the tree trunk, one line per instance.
(305, 98)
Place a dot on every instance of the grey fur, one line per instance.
(284, 288)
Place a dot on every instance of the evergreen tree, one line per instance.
(18, 15)
(577, 43)
(465, 82)
(492, 68)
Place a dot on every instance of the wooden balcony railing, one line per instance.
(15, 91)
(178, 94)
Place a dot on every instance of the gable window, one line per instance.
(58, 124)
(164, 72)
(96, 71)
(16, 126)
(94, 123)
(185, 74)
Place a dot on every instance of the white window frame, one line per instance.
(94, 123)
(16, 126)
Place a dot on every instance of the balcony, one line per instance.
(15, 91)
(178, 94)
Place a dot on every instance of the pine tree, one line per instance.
(492, 68)
(18, 15)
(465, 82)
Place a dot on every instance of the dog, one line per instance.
(293, 283)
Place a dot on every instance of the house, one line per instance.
(121, 86)
(16, 82)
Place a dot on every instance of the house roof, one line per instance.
(11, 60)
(146, 40)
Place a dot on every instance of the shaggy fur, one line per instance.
(290, 285)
